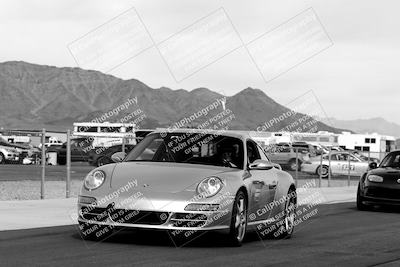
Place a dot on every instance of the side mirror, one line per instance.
(372, 165)
(263, 165)
(118, 157)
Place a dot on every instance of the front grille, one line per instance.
(189, 220)
(138, 217)
(94, 214)
(383, 193)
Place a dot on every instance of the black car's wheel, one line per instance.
(239, 220)
(293, 165)
(2, 158)
(94, 232)
(102, 161)
(287, 223)
(360, 200)
(324, 170)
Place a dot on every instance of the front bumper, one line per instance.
(308, 168)
(149, 215)
(381, 194)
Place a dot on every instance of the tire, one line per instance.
(94, 232)
(293, 166)
(325, 171)
(360, 205)
(285, 231)
(237, 231)
(2, 159)
(102, 161)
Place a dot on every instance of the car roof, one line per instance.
(230, 133)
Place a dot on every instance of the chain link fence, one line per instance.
(66, 164)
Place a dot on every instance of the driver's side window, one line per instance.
(252, 151)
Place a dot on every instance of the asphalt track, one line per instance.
(337, 235)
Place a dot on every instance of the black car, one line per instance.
(380, 184)
(102, 155)
(80, 148)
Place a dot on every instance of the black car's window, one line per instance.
(391, 160)
(190, 147)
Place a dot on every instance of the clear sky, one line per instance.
(357, 77)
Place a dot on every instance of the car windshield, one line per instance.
(391, 160)
(190, 147)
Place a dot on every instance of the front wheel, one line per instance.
(324, 170)
(360, 200)
(239, 220)
(2, 158)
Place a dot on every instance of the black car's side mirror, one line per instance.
(118, 157)
(263, 165)
(372, 165)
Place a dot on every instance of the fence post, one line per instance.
(329, 169)
(123, 144)
(43, 163)
(320, 172)
(68, 181)
(348, 172)
(297, 165)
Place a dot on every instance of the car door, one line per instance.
(336, 164)
(281, 154)
(263, 182)
(343, 164)
(359, 166)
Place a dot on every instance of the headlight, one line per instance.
(94, 180)
(209, 186)
(375, 178)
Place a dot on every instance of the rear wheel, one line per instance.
(324, 170)
(287, 222)
(239, 220)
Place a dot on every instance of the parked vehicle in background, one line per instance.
(285, 155)
(80, 148)
(380, 185)
(339, 165)
(304, 146)
(102, 155)
(8, 154)
(319, 149)
(363, 157)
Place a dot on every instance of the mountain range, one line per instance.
(36, 96)
(372, 125)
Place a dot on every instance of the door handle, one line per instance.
(258, 182)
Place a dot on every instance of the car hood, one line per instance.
(162, 176)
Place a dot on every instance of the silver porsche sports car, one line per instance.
(189, 181)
